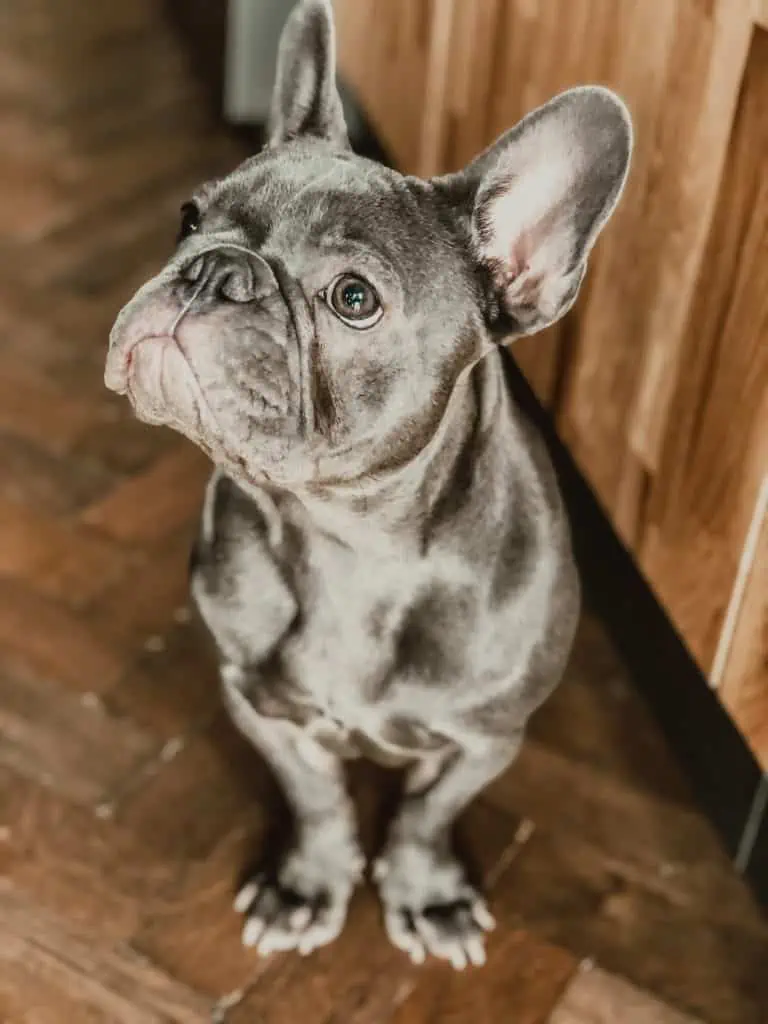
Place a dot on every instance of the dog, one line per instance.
(383, 558)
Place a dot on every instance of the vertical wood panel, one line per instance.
(744, 686)
(715, 458)
(700, 157)
(539, 50)
(665, 56)
(436, 87)
(471, 66)
(384, 56)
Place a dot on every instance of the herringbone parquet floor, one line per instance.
(127, 803)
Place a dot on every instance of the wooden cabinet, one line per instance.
(658, 378)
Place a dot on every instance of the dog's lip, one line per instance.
(168, 340)
(118, 367)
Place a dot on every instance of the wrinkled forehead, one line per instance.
(304, 205)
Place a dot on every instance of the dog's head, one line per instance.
(320, 308)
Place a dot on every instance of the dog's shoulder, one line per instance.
(235, 576)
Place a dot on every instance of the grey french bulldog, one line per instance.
(383, 558)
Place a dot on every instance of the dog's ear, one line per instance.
(539, 197)
(305, 100)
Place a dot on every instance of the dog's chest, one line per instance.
(340, 664)
(357, 646)
(370, 632)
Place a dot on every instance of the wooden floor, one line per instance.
(128, 805)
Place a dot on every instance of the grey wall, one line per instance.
(253, 31)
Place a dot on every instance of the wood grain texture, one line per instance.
(744, 686)
(49, 974)
(596, 997)
(568, 893)
(76, 864)
(50, 734)
(392, 76)
(714, 461)
(682, 250)
(627, 828)
(667, 57)
(447, 18)
(527, 977)
(537, 51)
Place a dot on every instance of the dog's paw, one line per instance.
(301, 906)
(430, 907)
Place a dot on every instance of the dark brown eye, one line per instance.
(354, 301)
(190, 221)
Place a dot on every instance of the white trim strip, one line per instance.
(746, 562)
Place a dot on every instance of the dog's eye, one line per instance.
(354, 301)
(190, 221)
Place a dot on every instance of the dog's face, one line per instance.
(319, 309)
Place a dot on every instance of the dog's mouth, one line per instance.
(158, 375)
(163, 389)
(154, 371)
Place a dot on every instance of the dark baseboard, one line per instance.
(755, 847)
(723, 772)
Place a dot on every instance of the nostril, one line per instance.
(192, 272)
(216, 276)
(236, 286)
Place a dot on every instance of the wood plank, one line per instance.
(474, 53)
(667, 49)
(81, 867)
(387, 70)
(124, 444)
(667, 848)
(212, 781)
(581, 721)
(194, 935)
(434, 121)
(681, 255)
(64, 741)
(59, 486)
(744, 686)
(59, 559)
(151, 506)
(50, 973)
(522, 976)
(597, 997)
(566, 893)
(61, 647)
(713, 462)
(173, 686)
(141, 607)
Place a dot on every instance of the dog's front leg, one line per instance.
(302, 904)
(429, 905)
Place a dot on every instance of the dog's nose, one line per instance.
(226, 275)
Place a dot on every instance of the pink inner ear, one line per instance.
(515, 277)
(519, 257)
(513, 270)
(515, 265)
